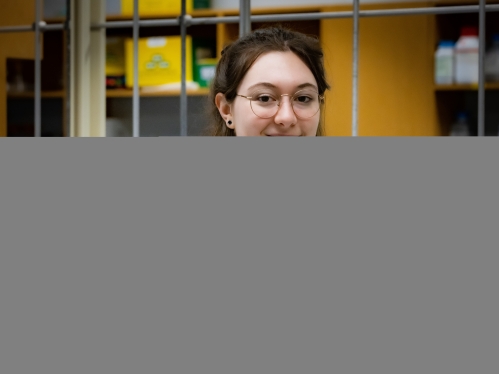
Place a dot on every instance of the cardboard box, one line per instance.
(160, 61)
(155, 7)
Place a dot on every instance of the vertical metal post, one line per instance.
(245, 17)
(67, 27)
(88, 91)
(97, 62)
(38, 71)
(481, 72)
(183, 94)
(355, 68)
(136, 94)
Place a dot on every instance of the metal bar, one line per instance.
(424, 11)
(481, 70)
(81, 68)
(355, 68)
(16, 29)
(52, 27)
(245, 17)
(215, 20)
(183, 94)
(370, 13)
(38, 70)
(67, 28)
(42, 26)
(97, 64)
(302, 16)
(136, 96)
(267, 18)
(143, 23)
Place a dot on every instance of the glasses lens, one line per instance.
(306, 103)
(265, 105)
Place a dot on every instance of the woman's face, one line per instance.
(272, 75)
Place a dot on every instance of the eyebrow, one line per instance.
(270, 85)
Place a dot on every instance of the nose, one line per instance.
(285, 116)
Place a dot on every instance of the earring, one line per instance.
(230, 122)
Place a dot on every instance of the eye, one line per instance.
(303, 99)
(265, 98)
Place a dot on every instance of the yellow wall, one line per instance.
(396, 93)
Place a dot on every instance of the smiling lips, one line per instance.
(282, 135)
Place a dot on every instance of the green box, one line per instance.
(203, 53)
(202, 4)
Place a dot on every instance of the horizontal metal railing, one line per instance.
(191, 21)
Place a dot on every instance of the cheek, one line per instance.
(310, 126)
(246, 122)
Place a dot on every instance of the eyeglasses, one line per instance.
(305, 103)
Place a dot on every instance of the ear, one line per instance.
(224, 108)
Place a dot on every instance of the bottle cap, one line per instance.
(469, 31)
(462, 115)
(446, 44)
(495, 37)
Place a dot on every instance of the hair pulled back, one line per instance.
(238, 57)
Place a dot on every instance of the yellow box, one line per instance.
(156, 7)
(160, 61)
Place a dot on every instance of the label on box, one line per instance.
(156, 42)
(207, 72)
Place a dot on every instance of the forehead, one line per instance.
(285, 70)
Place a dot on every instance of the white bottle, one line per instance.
(466, 56)
(492, 61)
(444, 63)
(461, 126)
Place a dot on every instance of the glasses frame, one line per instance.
(321, 101)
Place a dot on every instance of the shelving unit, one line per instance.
(53, 88)
(397, 96)
(160, 107)
(451, 99)
(466, 87)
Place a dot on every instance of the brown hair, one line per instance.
(238, 57)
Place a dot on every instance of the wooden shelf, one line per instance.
(466, 87)
(126, 93)
(31, 95)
